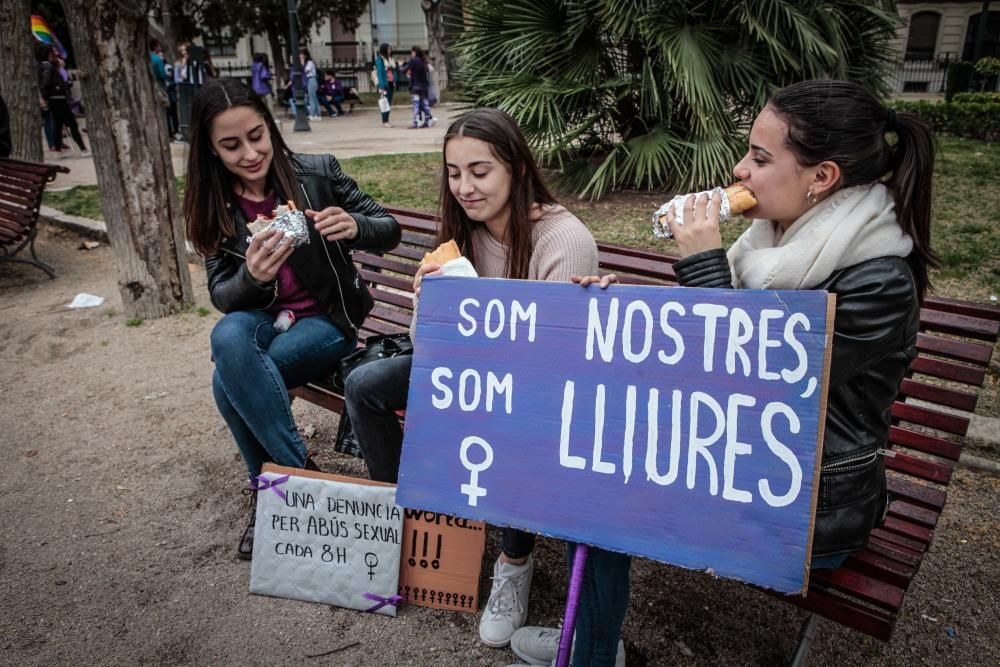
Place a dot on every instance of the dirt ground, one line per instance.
(121, 508)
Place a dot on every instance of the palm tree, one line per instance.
(657, 93)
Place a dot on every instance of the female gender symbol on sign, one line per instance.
(472, 489)
(371, 560)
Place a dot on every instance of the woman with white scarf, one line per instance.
(840, 208)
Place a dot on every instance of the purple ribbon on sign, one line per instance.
(261, 483)
(394, 601)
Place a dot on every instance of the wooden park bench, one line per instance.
(930, 419)
(21, 187)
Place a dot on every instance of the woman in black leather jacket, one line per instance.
(291, 312)
(839, 208)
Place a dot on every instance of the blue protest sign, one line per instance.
(677, 424)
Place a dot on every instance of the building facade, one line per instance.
(933, 34)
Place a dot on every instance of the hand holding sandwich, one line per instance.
(700, 231)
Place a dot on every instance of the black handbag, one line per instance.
(376, 347)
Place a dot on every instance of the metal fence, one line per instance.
(923, 76)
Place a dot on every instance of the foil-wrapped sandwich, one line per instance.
(736, 199)
(287, 219)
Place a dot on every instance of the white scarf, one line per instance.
(850, 226)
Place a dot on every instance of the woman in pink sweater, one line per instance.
(496, 207)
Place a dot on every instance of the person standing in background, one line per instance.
(260, 79)
(384, 77)
(312, 84)
(416, 69)
(55, 93)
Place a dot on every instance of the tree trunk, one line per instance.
(434, 18)
(278, 56)
(19, 83)
(128, 138)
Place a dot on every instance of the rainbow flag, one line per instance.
(43, 33)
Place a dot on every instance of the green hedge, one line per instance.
(978, 98)
(962, 119)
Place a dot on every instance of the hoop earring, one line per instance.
(811, 198)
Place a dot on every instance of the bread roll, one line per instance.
(444, 253)
(740, 199)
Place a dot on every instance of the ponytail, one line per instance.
(911, 180)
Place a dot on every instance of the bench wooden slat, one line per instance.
(393, 316)
(313, 394)
(369, 260)
(914, 513)
(858, 584)
(874, 622)
(882, 567)
(900, 540)
(942, 421)
(908, 528)
(922, 468)
(418, 239)
(970, 308)
(921, 494)
(408, 253)
(925, 443)
(948, 370)
(953, 398)
(637, 265)
(373, 327)
(976, 353)
(961, 325)
(385, 279)
(22, 196)
(404, 301)
(894, 551)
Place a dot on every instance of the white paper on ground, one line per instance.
(83, 300)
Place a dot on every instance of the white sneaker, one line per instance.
(540, 646)
(507, 607)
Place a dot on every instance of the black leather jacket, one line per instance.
(874, 340)
(324, 267)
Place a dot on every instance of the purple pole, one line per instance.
(572, 602)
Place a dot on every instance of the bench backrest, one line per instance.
(21, 187)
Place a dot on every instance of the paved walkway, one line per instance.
(352, 135)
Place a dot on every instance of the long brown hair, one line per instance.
(842, 122)
(209, 183)
(527, 187)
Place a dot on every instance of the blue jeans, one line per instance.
(421, 110)
(603, 603)
(254, 368)
(372, 395)
(312, 99)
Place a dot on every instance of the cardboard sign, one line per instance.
(328, 539)
(441, 560)
(678, 424)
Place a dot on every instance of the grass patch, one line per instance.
(134, 322)
(966, 229)
(202, 311)
(409, 179)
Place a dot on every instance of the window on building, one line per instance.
(923, 36)
(221, 45)
(991, 40)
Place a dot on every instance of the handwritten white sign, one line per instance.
(326, 541)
